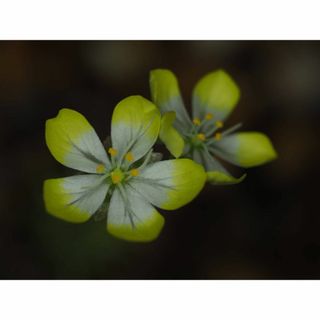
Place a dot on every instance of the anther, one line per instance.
(112, 152)
(218, 136)
(129, 157)
(100, 168)
(208, 116)
(219, 124)
(196, 121)
(201, 137)
(134, 172)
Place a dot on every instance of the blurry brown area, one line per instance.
(267, 227)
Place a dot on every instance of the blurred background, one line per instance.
(267, 227)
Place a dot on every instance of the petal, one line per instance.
(74, 143)
(203, 157)
(76, 198)
(245, 149)
(135, 126)
(132, 218)
(221, 178)
(170, 184)
(170, 136)
(215, 93)
(166, 95)
(216, 173)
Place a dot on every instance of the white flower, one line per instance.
(128, 179)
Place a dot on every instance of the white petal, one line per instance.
(74, 143)
(75, 198)
(135, 126)
(170, 184)
(132, 218)
(216, 173)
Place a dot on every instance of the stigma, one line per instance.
(117, 176)
(113, 152)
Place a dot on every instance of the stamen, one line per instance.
(219, 124)
(134, 172)
(218, 136)
(208, 116)
(232, 129)
(201, 137)
(129, 157)
(100, 168)
(142, 132)
(146, 159)
(196, 121)
(112, 152)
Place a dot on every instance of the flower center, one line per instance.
(201, 136)
(204, 131)
(117, 176)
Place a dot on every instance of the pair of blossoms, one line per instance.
(132, 180)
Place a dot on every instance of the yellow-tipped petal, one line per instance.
(170, 136)
(164, 87)
(136, 123)
(135, 220)
(216, 173)
(166, 95)
(188, 180)
(170, 184)
(74, 143)
(215, 93)
(74, 199)
(246, 149)
(223, 178)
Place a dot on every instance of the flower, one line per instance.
(128, 178)
(214, 97)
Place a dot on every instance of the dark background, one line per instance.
(267, 227)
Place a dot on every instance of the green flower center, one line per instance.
(123, 169)
(117, 176)
(197, 139)
(204, 132)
